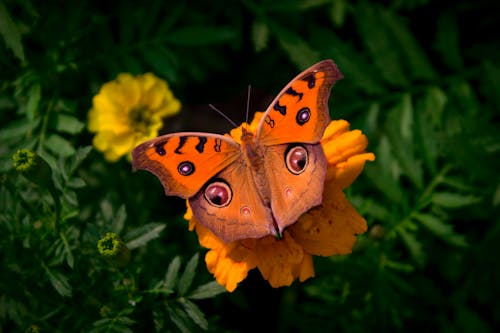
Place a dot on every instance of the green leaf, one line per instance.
(200, 35)
(18, 129)
(142, 235)
(260, 35)
(194, 313)
(298, 50)
(338, 12)
(170, 279)
(429, 111)
(400, 130)
(68, 124)
(160, 59)
(207, 290)
(59, 282)
(294, 5)
(77, 159)
(385, 173)
(413, 245)
(440, 229)
(70, 259)
(376, 36)
(59, 145)
(187, 276)
(454, 200)
(361, 74)
(447, 41)
(409, 48)
(179, 318)
(10, 33)
(468, 320)
(33, 102)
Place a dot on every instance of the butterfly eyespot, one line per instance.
(218, 194)
(185, 168)
(303, 116)
(296, 159)
(245, 211)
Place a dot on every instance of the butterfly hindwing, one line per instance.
(241, 214)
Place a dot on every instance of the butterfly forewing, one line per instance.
(184, 162)
(300, 111)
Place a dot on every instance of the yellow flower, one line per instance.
(325, 230)
(128, 111)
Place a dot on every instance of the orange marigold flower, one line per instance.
(325, 230)
(128, 111)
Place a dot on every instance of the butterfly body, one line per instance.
(261, 184)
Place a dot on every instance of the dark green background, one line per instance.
(422, 81)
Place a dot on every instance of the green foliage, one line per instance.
(422, 81)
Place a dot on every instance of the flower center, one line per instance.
(140, 120)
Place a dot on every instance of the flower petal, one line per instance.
(279, 259)
(330, 228)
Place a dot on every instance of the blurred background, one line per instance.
(421, 80)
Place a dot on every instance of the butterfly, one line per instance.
(265, 183)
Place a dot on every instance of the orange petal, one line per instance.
(330, 228)
(279, 260)
(345, 173)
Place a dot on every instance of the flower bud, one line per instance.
(113, 249)
(33, 167)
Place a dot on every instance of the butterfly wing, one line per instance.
(297, 117)
(185, 161)
(294, 193)
(299, 113)
(239, 212)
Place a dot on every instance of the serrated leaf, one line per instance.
(200, 35)
(142, 235)
(208, 290)
(429, 113)
(118, 222)
(33, 102)
(440, 229)
(409, 48)
(294, 5)
(18, 129)
(400, 131)
(413, 245)
(194, 313)
(454, 200)
(375, 35)
(260, 35)
(68, 124)
(385, 174)
(70, 197)
(337, 12)
(186, 279)
(179, 318)
(172, 274)
(59, 282)
(362, 74)
(298, 50)
(70, 259)
(447, 41)
(158, 58)
(75, 183)
(10, 33)
(59, 145)
(77, 159)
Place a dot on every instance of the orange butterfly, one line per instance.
(264, 184)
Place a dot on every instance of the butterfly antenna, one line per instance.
(222, 114)
(248, 103)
